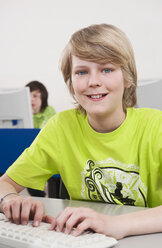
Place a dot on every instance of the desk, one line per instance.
(54, 206)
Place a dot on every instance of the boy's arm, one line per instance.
(142, 222)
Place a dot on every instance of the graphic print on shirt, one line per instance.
(113, 182)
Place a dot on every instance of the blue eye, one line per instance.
(107, 70)
(82, 72)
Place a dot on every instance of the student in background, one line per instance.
(41, 114)
(39, 99)
(105, 150)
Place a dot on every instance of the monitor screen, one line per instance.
(15, 108)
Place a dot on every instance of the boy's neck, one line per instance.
(106, 124)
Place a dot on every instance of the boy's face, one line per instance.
(36, 101)
(98, 88)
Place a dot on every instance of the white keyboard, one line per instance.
(27, 236)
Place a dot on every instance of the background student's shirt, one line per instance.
(42, 117)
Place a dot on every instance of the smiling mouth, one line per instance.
(99, 96)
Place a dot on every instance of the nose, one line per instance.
(94, 80)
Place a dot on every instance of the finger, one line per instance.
(74, 220)
(53, 225)
(16, 210)
(62, 218)
(25, 210)
(48, 219)
(83, 226)
(51, 220)
(78, 215)
(7, 211)
(38, 213)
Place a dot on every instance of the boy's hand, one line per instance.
(86, 218)
(20, 210)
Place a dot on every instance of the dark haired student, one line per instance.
(42, 112)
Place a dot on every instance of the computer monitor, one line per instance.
(15, 108)
(149, 93)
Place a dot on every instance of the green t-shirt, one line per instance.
(122, 167)
(42, 117)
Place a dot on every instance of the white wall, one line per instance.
(33, 34)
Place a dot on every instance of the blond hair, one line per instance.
(102, 43)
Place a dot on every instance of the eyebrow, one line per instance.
(77, 67)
